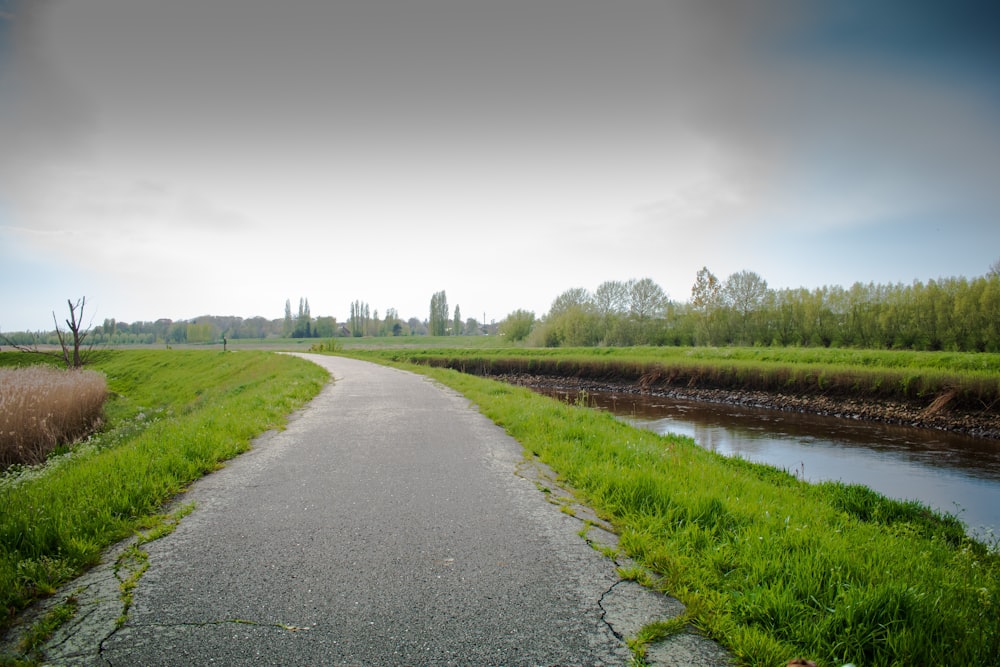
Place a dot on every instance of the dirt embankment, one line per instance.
(937, 413)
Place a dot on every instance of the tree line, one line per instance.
(955, 314)
(362, 321)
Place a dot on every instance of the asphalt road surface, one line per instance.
(387, 525)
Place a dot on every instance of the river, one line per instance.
(956, 474)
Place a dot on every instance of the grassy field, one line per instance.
(770, 566)
(971, 379)
(172, 417)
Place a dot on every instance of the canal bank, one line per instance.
(934, 414)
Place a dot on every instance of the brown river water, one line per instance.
(955, 474)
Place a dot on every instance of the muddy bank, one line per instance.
(931, 415)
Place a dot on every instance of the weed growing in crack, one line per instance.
(656, 632)
(638, 574)
(45, 627)
(134, 561)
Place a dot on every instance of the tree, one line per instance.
(706, 293)
(287, 326)
(326, 327)
(391, 326)
(646, 299)
(303, 323)
(612, 296)
(517, 325)
(359, 319)
(78, 334)
(575, 297)
(438, 322)
(70, 342)
(994, 271)
(744, 292)
(417, 328)
(456, 323)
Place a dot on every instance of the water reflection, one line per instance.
(953, 473)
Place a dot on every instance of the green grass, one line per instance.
(973, 379)
(172, 417)
(362, 343)
(770, 566)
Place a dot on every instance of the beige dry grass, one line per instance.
(42, 407)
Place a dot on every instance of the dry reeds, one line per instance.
(42, 407)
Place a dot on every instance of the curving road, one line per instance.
(384, 526)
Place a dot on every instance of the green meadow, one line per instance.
(972, 380)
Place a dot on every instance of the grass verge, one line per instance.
(770, 566)
(173, 416)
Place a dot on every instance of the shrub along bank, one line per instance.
(173, 416)
(770, 566)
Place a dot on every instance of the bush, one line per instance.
(42, 407)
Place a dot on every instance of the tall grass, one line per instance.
(42, 407)
(771, 566)
(173, 416)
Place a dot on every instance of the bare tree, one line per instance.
(70, 342)
(76, 330)
(994, 271)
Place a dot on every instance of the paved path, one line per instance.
(384, 526)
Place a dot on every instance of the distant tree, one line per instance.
(438, 321)
(575, 297)
(646, 299)
(706, 293)
(391, 326)
(517, 325)
(417, 328)
(359, 319)
(326, 327)
(456, 322)
(303, 322)
(612, 296)
(177, 333)
(200, 332)
(744, 292)
(472, 327)
(288, 325)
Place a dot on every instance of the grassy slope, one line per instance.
(174, 416)
(771, 566)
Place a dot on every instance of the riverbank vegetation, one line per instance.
(42, 407)
(969, 381)
(956, 314)
(172, 417)
(771, 566)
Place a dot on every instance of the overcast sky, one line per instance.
(191, 157)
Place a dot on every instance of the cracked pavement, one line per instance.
(389, 524)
